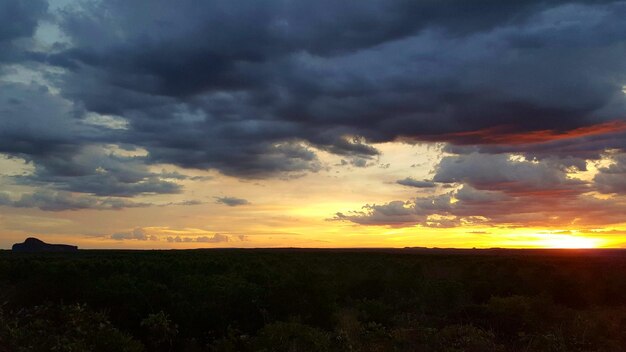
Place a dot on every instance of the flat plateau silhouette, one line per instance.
(32, 244)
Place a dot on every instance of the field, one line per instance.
(314, 300)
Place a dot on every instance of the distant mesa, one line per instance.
(32, 244)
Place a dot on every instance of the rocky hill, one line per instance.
(32, 244)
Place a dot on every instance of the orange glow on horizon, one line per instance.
(298, 212)
(570, 242)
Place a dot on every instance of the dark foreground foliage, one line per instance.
(281, 300)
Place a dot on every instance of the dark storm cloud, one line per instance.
(221, 84)
(18, 21)
(20, 18)
(252, 89)
(231, 201)
(202, 45)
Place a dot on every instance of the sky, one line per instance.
(288, 123)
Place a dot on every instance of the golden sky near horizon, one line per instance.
(286, 212)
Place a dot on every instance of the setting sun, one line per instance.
(568, 241)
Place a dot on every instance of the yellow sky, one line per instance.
(287, 212)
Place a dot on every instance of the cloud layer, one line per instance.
(505, 190)
(260, 89)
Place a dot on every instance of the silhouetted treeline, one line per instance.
(264, 300)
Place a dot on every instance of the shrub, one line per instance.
(63, 328)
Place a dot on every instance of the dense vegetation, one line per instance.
(282, 300)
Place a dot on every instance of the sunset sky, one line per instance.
(287, 123)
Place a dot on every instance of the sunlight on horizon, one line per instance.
(557, 241)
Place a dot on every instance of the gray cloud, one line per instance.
(36, 123)
(213, 239)
(231, 201)
(501, 190)
(468, 206)
(67, 153)
(60, 201)
(612, 179)
(95, 171)
(5, 199)
(410, 182)
(136, 234)
(502, 172)
(184, 203)
(216, 238)
(395, 213)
